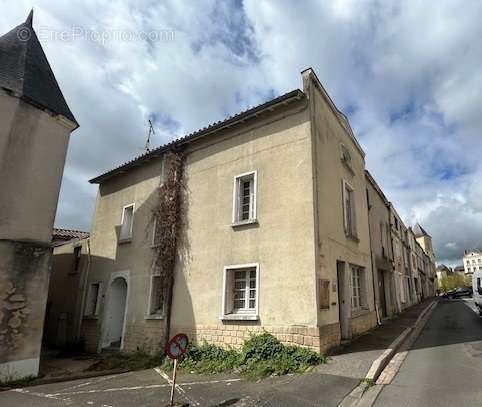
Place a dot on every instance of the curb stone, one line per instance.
(368, 388)
(381, 362)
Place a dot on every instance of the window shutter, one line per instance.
(324, 293)
(228, 289)
(354, 231)
(343, 197)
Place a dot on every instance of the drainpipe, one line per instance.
(377, 311)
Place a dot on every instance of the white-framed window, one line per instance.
(92, 302)
(349, 215)
(244, 198)
(156, 298)
(396, 249)
(402, 288)
(382, 238)
(127, 222)
(358, 287)
(240, 292)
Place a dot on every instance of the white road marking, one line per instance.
(98, 380)
(115, 389)
(37, 394)
(178, 388)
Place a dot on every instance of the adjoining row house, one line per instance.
(275, 226)
(35, 125)
(403, 271)
(63, 314)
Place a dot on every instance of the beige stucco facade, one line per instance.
(35, 125)
(33, 145)
(69, 268)
(296, 239)
(381, 249)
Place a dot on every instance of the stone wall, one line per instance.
(90, 334)
(146, 337)
(24, 278)
(363, 322)
(319, 339)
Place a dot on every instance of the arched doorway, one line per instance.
(115, 314)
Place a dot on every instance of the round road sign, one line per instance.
(177, 346)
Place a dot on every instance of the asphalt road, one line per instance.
(148, 388)
(444, 365)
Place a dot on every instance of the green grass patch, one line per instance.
(127, 361)
(261, 355)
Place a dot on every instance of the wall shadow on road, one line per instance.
(452, 322)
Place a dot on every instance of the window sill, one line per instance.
(154, 317)
(244, 223)
(239, 317)
(352, 237)
(125, 240)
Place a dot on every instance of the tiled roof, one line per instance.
(25, 70)
(210, 129)
(68, 234)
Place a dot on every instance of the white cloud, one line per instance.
(407, 74)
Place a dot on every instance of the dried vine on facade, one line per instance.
(167, 217)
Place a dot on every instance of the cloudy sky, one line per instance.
(407, 74)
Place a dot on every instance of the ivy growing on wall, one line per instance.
(167, 217)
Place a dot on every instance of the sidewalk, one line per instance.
(356, 357)
(327, 385)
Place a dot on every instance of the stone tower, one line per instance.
(35, 125)
(425, 240)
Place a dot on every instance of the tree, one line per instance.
(448, 283)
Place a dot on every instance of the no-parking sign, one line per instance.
(177, 346)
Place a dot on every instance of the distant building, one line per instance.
(67, 281)
(459, 270)
(472, 261)
(442, 272)
(35, 125)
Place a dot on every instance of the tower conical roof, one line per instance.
(25, 70)
(419, 231)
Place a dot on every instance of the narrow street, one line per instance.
(444, 366)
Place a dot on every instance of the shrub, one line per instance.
(261, 347)
(209, 358)
(261, 355)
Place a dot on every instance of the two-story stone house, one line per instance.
(273, 234)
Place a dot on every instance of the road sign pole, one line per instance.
(173, 388)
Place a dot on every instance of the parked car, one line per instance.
(459, 293)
